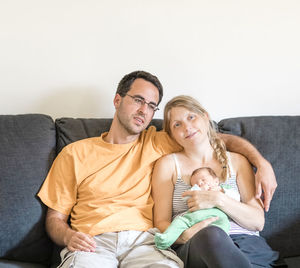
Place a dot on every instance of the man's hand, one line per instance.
(77, 241)
(61, 233)
(265, 184)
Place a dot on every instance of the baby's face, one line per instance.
(204, 180)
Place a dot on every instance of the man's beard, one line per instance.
(125, 123)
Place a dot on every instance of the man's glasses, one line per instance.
(140, 101)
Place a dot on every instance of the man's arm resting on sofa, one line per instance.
(264, 178)
(61, 233)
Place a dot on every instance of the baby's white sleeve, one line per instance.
(195, 188)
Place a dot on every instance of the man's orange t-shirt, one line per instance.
(106, 187)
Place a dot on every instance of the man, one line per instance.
(103, 183)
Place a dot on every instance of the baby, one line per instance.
(205, 178)
(202, 179)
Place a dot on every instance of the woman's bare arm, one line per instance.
(162, 192)
(249, 212)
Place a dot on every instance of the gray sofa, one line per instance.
(29, 144)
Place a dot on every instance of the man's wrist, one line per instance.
(262, 163)
(68, 235)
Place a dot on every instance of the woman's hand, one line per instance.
(190, 232)
(202, 199)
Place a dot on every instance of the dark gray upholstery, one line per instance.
(27, 149)
(15, 264)
(278, 139)
(70, 129)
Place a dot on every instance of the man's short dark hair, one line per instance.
(128, 79)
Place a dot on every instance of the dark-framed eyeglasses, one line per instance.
(140, 101)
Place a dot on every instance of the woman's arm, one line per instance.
(249, 212)
(264, 178)
(162, 192)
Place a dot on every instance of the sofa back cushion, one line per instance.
(278, 140)
(73, 129)
(27, 149)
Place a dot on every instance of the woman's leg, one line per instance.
(212, 247)
(256, 249)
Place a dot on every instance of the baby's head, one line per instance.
(205, 178)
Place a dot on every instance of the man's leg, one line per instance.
(105, 255)
(142, 252)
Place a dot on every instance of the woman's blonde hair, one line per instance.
(193, 105)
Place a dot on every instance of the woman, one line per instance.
(204, 245)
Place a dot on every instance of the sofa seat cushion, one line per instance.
(16, 264)
(293, 262)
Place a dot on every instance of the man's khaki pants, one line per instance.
(126, 249)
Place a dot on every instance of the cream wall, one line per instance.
(66, 57)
